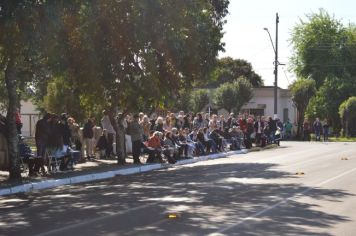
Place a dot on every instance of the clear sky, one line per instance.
(246, 39)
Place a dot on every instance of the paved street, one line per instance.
(254, 194)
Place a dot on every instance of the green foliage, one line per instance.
(325, 51)
(229, 69)
(302, 91)
(232, 96)
(319, 45)
(347, 112)
(140, 52)
(348, 109)
(183, 101)
(328, 98)
(61, 97)
(199, 99)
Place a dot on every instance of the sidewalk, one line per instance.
(92, 171)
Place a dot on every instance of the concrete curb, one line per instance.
(52, 183)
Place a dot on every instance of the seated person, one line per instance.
(203, 137)
(180, 142)
(199, 147)
(63, 155)
(237, 137)
(27, 156)
(184, 139)
(171, 148)
(154, 147)
(218, 139)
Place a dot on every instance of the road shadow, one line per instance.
(207, 198)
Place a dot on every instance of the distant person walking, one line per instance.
(326, 130)
(317, 129)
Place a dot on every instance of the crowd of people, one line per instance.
(175, 136)
(162, 138)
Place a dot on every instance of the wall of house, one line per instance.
(29, 118)
(264, 99)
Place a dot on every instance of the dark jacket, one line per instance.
(88, 130)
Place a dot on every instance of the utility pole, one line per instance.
(276, 68)
(276, 64)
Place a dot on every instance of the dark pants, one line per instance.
(41, 155)
(109, 150)
(136, 150)
(183, 149)
(258, 139)
(153, 154)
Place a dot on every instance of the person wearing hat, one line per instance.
(136, 132)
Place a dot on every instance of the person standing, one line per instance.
(88, 138)
(107, 125)
(259, 126)
(272, 124)
(326, 130)
(136, 132)
(317, 129)
(288, 129)
(42, 133)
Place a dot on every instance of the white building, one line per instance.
(29, 118)
(262, 103)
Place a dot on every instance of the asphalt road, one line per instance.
(258, 193)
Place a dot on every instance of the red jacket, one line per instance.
(154, 142)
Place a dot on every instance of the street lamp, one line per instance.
(276, 63)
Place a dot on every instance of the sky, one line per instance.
(245, 38)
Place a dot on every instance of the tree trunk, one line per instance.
(120, 141)
(12, 136)
(300, 123)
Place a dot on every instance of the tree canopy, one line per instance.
(347, 111)
(233, 95)
(228, 70)
(319, 45)
(325, 51)
(302, 91)
(137, 51)
(199, 99)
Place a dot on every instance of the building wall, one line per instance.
(29, 118)
(264, 99)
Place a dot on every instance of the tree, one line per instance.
(232, 96)
(138, 53)
(228, 70)
(302, 91)
(22, 27)
(184, 101)
(199, 99)
(347, 112)
(140, 50)
(319, 45)
(329, 97)
(62, 98)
